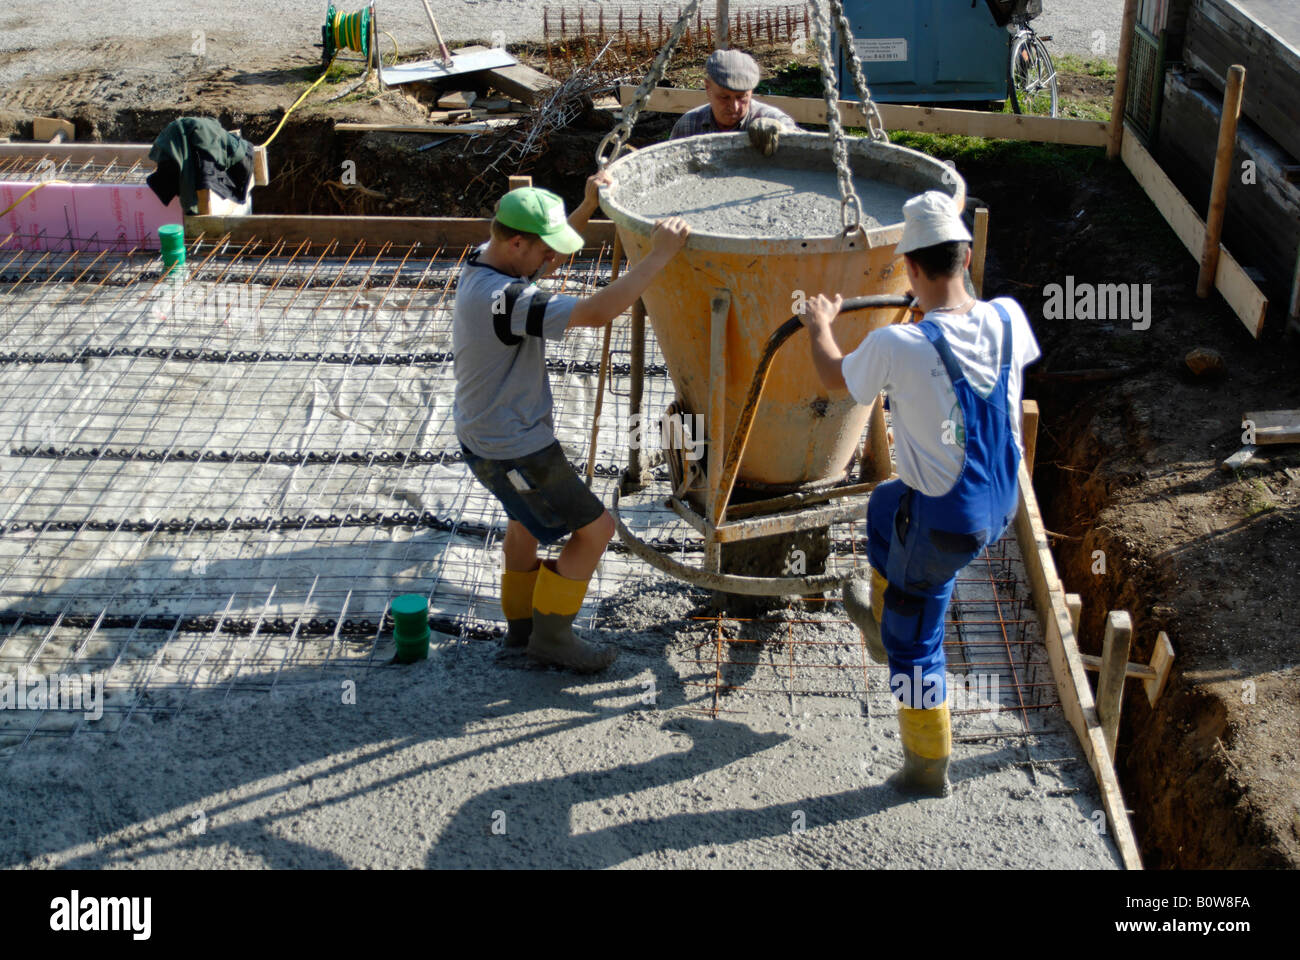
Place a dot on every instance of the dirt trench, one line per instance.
(1128, 472)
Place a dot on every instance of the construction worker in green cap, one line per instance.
(501, 322)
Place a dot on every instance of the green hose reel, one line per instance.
(345, 31)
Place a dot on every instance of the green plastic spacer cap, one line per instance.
(410, 618)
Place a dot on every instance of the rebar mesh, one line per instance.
(220, 484)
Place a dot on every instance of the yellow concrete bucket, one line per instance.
(772, 257)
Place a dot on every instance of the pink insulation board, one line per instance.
(84, 216)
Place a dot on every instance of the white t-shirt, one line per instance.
(929, 429)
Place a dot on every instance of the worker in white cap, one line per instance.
(729, 81)
(954, 385)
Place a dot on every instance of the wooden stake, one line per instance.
(1126, 31)
(1223, 167)
(875, 452)
(1074, 604)
(1029, 431)
(604, 366)
(720, 308)
(1162, 661)
(979, 248)
(1114, 665)
(514, 183)
(261, 168)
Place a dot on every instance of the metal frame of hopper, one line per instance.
(788, 514)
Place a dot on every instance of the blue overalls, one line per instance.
(920, 543)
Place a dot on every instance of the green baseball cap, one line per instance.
(539, 211)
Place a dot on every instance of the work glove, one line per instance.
(764, 134)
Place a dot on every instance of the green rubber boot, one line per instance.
(556, 602)
(865, 602)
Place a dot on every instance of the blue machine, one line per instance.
(925, 50)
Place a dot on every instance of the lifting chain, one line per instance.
(850, 205)
(618, 136)
(875, 125)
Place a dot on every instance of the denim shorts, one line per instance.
(542, 491)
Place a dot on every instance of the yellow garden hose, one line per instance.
(47, 183)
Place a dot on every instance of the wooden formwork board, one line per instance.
(121, 153)
(1067, 666)
(1245, 299)
(971, 123)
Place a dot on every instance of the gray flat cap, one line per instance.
(732, 69)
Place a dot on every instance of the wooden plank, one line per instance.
(125, 153)
(457, 100)
(429, 232)
(1275, 426)
(47, 129)
(1115, 646)
(519, 81)
(413, 127)
(1139, 671)
(1067, 666)
(1241, 293)
(1162, 662)
(1029, 431)
(974, 123)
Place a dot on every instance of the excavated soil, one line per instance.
(1128, 465)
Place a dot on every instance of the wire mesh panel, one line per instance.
(220, 481)
(1146, 83)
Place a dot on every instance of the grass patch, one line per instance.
(1258, 499)
(795, 79)
(1073, 63)
(963, 149)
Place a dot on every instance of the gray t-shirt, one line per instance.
(701, 120)
(500, 325)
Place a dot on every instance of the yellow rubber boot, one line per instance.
(517, 604)
(865, 605)
(927, 750)
(556, 602)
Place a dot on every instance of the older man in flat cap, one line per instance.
(729, 82)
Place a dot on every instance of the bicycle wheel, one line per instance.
(1032, 77)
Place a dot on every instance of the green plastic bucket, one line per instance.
(171, 238)
(411, 627)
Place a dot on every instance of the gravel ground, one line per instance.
(474, 759)
(60, 35)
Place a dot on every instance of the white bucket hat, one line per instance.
(929, 219)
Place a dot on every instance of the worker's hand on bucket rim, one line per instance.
(669, 235)
(820, 311)
(765, 134)
(594, 183)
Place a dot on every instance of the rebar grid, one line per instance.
(991, 633)
(173, 520)
(218, 485)
(35, 169)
